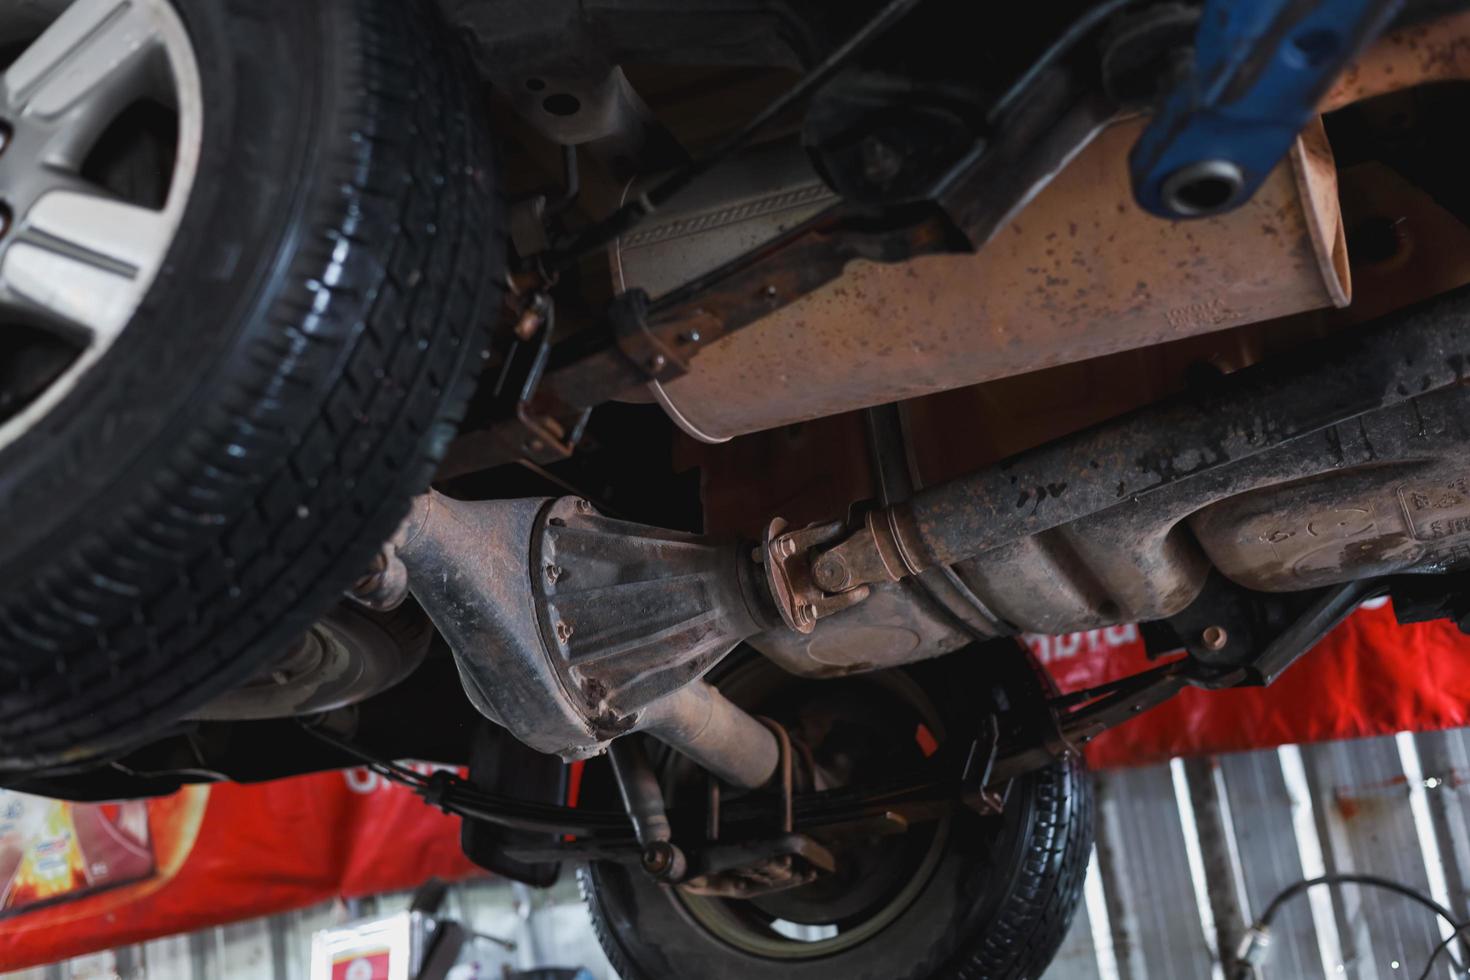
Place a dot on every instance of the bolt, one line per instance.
(553, 573)
(785, 547)
(663, 860)
(585, 507)
(528, 324)
(1214, 637)
(770, 292)
(657, 362)
(832, 573)
(692, 337)
(806, 613)
(564, 631)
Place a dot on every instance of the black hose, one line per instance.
(1444, 945)
(1251, 956)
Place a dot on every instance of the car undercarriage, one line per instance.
(722, 427)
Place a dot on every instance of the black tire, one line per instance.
(287, 385)
(997, 903)
(371, 651)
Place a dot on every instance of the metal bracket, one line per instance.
(1259, 69)
(533, 427)
(977, 792)
(760, 867)
(644, 348)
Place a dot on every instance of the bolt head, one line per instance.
(785, 547)
(663, 860)
(527, 325)
(1214, 637)
(585, 507)
(553, 573)
(832, 573)
(564, 631)
(657, 362)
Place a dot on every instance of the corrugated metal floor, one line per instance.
(1187, 853)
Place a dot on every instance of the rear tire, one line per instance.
(285, 387)
(996, 903)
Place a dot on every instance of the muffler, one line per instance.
(1082, 272)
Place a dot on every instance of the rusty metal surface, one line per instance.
(707, 727)
(570, 628)
(1289, 418)
(1082, 272)
(1434, 52)
(1374, 522)
(892, 626)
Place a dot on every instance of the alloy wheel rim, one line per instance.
(78, 256)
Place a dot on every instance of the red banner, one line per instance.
(74, 878)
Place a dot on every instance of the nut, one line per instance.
(563, 631)
(554, 573)
(656, 859)
(528, 324)
(1214, 637)
(664, 860)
